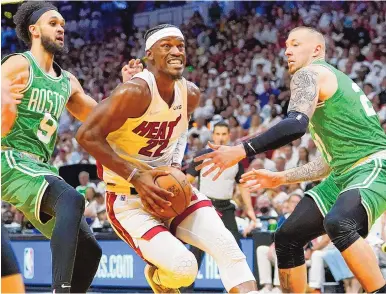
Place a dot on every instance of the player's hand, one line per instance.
(260, 179)
(151, 195)
(132, 68)
(221, 158)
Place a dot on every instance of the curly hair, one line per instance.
(156, 29)
(22, 16)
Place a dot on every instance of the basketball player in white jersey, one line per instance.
(143, 125)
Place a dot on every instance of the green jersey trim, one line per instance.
(43, 72)
(318, 202)
(39, 198)
(22, 168)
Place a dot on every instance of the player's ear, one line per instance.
(149, 55)
(318, 50)
(34, 31)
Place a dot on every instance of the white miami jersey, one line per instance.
(151, 138)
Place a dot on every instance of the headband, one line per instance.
(163, 33)
(34, 17)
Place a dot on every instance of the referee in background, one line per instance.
(220, 192)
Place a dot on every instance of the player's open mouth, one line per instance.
(175, 62)
(291, 62)
(60, 38)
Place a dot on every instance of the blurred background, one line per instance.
(235, 55)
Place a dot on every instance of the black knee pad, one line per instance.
(302, 226)
(347, 220)
(289, 248)
(61, 199)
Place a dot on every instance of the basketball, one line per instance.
(177, 183)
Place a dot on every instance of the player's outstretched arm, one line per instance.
(261, 179)
(129, 100)
(304, 97)
(80, 104)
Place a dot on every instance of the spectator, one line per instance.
(201, 130)
(303, 156)
(84, 180)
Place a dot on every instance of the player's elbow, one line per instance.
(84, 136)
(299, 123)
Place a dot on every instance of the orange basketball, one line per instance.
(8, 117)
(177, 183)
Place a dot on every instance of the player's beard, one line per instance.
(176, 77)
(53, 48)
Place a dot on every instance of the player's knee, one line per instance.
(184, 269)
(284, 235)
(224, 247)
(289, 247)
(74, 200)
(70, 203)
(342, 230)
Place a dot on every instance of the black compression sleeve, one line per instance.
(291, 128)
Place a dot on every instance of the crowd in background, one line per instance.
(237, 60)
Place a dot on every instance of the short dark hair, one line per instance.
(222, 124)
(21, 18)
(156, 29)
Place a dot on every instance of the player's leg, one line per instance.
(303, 225)
(361, 202)
(63, 202)
(11, 279)
(347, 225)
(227, 215)
(33, 188)
(174, 266)
(88, 255)
(217, 241)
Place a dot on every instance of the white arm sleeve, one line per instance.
(179, 152)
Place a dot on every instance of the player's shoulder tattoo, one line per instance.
(304, 90)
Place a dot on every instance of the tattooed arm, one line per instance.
(304, 97)
(304, 91)
(312, 171)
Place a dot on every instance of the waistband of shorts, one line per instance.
(379, 155)
(126, 192)
(29, 155)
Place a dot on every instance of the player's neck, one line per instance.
(165, 86)
(42, 57)
(318, 58)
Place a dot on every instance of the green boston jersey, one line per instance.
(35, 128)
(345, 127)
